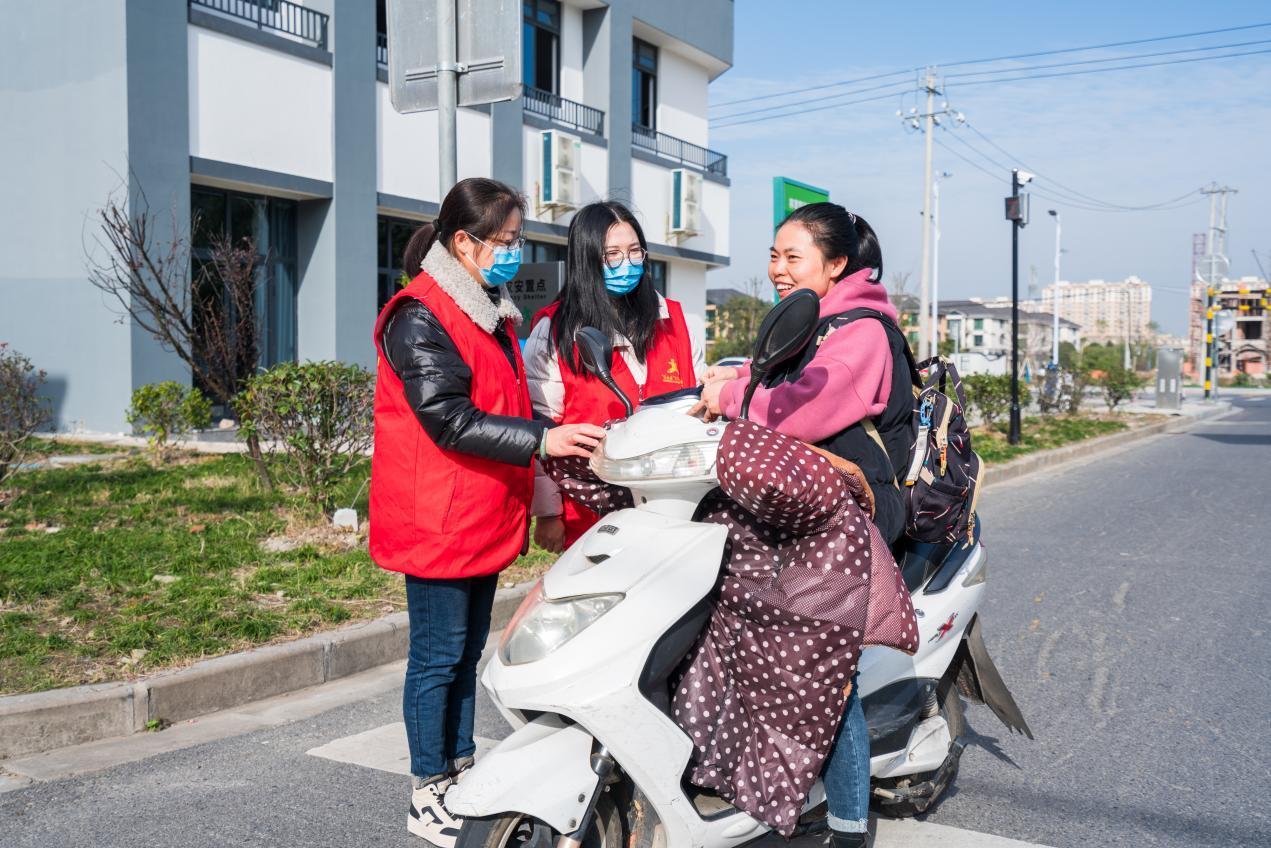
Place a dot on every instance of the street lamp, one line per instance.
(934, 335)
(1017, 214)
(1054, 300)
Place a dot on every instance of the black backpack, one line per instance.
(941, 482)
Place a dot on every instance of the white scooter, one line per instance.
(581, 671)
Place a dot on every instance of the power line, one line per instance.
(886, 96)
(1105, 46)
(1109, 59)
(1118, 68)
(812, 88)
(904, 87)
(965, 62)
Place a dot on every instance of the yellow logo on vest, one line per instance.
(672, 374)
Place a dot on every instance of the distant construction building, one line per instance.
(1243, 348)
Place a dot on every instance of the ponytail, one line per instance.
(421, 241)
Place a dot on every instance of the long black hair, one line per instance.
(838, 233)
(477, 205)
(584, 300)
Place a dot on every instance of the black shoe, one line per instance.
(843, 839)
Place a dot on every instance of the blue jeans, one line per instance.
(846, 773)
(449, 623)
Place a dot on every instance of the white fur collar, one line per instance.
(469, 295)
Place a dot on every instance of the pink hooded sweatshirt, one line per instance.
(848, 379)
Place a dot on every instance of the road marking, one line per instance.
(384, 749)
(1118, 600)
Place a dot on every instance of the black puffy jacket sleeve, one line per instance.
(438, 386)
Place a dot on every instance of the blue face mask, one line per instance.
(507, 261)
(624, 278)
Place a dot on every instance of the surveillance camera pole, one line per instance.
(1014, 434)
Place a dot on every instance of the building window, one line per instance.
(541, 50)
(392, 235)
(977, 340)
(644, 85)
(543, 251)
(979, 324)
(657, 274)
(271, 223)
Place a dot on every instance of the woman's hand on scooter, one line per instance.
(573, 439)
(549, 533)
(708, 408)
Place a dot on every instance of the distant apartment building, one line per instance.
(1242, 349)
(976, 327)
(1106, 311)
(272, 119)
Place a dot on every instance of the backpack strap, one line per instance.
(889, 326)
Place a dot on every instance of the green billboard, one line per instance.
(788, 195)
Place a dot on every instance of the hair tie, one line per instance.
(851, 217)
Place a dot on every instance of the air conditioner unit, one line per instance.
(558, 175)
(686, 204)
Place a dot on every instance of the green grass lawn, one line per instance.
(1041, 434)
(112, 570)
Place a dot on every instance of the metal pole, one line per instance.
(1054, 299)
(447, 97)
(924, 334)
(1014, 435)
(935, 270)
(1128, 327)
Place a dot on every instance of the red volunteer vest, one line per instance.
(438, 513)
(669, 368)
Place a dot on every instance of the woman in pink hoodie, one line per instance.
(850, 393)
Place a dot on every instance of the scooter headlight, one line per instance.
(694, 459)
(540, 625)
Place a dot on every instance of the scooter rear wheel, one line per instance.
(514, 830)
(951, 709)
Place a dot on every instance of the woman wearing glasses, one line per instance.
(607, 287)
(450, 477)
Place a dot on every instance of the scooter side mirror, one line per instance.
(784, 333)
(595, 349)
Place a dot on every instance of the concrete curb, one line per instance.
(43, 721)
(31, 724)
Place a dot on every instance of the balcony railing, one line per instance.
(279, 16)
(680, 150)
(381, 49)
(553, 107)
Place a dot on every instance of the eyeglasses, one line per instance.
(512, 244)
(614, 256)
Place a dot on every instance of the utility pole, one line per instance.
(1054, 299)
(1017, 214)
(1215, 255)
(926, 122)
(935, 265)
(447, 96)
(1128, 328)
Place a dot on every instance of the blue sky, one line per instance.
(1132, 137)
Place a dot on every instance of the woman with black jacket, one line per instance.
(452, 475)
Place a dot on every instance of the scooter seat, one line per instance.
(920, 562)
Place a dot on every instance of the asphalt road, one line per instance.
(1128, 611)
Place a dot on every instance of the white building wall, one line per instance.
(651, 199)
(686, 282)
(682, 100)
(407, 156)
(593, 175)
(571, 54)
(259, 107)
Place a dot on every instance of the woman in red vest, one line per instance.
(607, 286)
(451, 476)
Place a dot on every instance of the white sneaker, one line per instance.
(429, 819)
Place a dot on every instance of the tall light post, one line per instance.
(1054, 299)
(1017, 214)
(935, 264)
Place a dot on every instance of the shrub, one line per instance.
(989, 395)
(22, 410)
(318, 414)
(168, 409)
(1075, 389)
(1118, 385)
